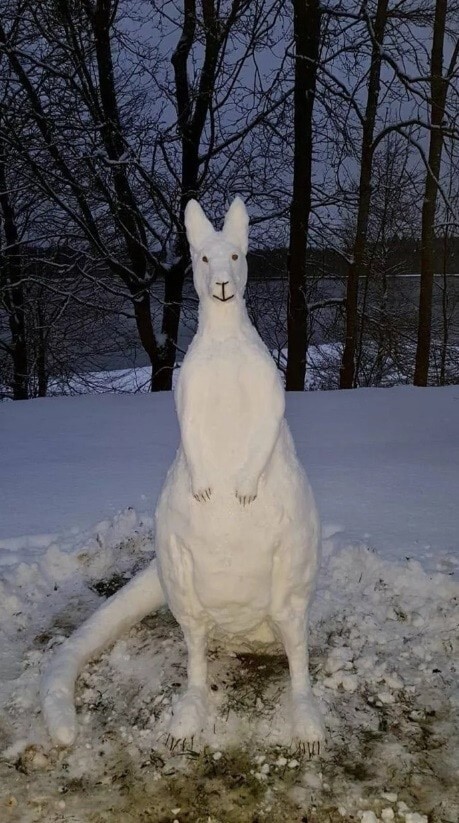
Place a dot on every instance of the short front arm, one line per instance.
(192, 433)
(268, 404)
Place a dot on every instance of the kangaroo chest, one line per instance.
(225, 404)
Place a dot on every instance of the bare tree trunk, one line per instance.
(175, 278)
(382, 335)
(362, 330)
(143, 319)
(306, 17)
(173, 291)
(356, 267)
(14, 289)
(444, 310)
(42, 377)
(438, 89)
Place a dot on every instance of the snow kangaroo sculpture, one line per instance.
(237, 531)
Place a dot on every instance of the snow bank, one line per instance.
(68, 463)
(384, 464)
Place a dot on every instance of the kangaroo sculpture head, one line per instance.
(218, 257)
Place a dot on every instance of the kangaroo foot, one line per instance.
(308, 728)
(189, 715)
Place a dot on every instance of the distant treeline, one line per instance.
(403, 255)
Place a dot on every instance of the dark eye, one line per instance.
(234, 256)
(205, 259)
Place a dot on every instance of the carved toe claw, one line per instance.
(314, 749)
(203, 495)
(245, 499)
(180, 744)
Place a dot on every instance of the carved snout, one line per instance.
(223, 291)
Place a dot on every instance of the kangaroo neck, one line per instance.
(222, 322)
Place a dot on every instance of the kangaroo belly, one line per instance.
(227, 582)
(234, 586)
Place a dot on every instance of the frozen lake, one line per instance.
(87, 339)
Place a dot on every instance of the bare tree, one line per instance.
(377, 28)
(386, 317)
(306, 25)
(119, 165)
(444, 354)
(12, 286)
(439, 83)
(64, 176)
(192, 112)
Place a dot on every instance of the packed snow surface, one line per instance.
(79, 482)
(383, 463)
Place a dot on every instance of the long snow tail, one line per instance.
(142, 595)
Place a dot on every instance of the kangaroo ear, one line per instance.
(198, 227)
(236, 225)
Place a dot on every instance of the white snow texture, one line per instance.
(237, 530)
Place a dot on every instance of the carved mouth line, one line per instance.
(223, 299)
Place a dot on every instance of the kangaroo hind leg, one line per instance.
(190, 711)
(307, 726)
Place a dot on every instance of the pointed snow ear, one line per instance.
(198, 227)
(236, 225)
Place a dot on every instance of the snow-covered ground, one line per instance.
(78, 485)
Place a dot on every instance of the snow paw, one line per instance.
(202, 495)
(308, 727)
(189, 715)
(246, 488)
